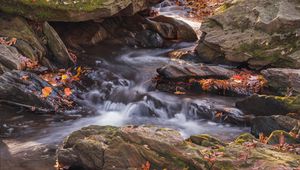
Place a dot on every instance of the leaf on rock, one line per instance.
(67, 91)
(46, 91)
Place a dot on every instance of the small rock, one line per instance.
(10, 58)
(274, 138)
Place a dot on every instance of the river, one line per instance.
(120, 93)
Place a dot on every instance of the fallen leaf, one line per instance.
(68, 91)
(46, 91)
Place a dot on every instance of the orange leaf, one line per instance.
(46, 91)
(146, 166)
(68, 91)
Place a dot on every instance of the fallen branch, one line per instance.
(30, 107)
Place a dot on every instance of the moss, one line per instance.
(246, 137)
(292, 103)
(205, 140)
(271, 51)
(81, 5)
(260, 52)
(224, 165)
(223, 8)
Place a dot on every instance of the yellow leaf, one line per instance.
(46, 91)
(64, 78)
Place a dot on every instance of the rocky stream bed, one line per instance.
(148, 84)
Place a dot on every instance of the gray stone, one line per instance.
(57, 46)
(283, 81)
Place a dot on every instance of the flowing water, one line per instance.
(120, 93)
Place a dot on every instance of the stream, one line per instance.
(121, 92)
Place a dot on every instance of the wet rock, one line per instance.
(56, 45)
(283, 81)
(275, 137)
(268, 105)
(189, 70)
(218, 113)
(251, 32)
(73, 11)
(149, 39)
(268, 124)
(14, 88)
(106, 147)
(10, 58)
(171, 28)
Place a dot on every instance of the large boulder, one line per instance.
(97, 147)
(135, 147)
(283, 81)
(268, 124)
(260, 33)
(72, 11)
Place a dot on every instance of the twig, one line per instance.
(30, 107)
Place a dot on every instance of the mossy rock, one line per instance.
(246, 137)
(69, 10)
(275, 137)
(17, 27)
(130, 147)
(205, 140)
(267, 105)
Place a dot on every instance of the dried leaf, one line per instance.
(146, 166)
(46, 91)
(67, 92)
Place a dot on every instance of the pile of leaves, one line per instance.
(200, 8)
(63, 82)
(243, 83)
